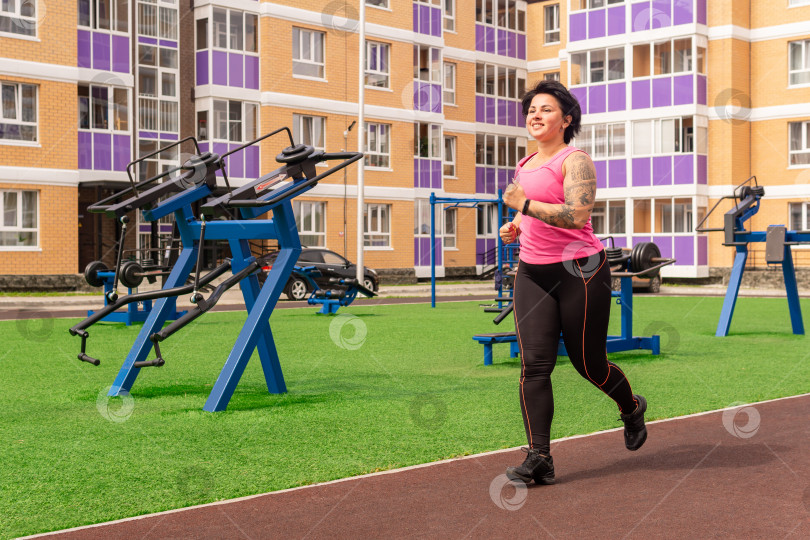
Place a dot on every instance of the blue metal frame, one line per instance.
(134, 313)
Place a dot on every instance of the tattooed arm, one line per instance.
(579, 188)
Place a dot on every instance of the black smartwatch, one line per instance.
(525, 211)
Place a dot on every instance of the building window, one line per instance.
(308, 53)
(311, 221)
(104, 14)
(235, 30)
(377, 228)
(421, 217)
(18, 118)
(552, 23)
(552, 76)
(157, 21)
(799, 3)
(18, 17)
(591, 67)
(799, 143)
(800, 216)
(602, 140)
(427, 64)
(486, 219)
(500, 151)
(449, 88)
(449, 160)
(673, 215)
(449, 15)
(202, 34)
(377, 3)
(310, 130)
(234, 121)
(664, 136)
(377, 64)
(799, 69)
(666, 57)
(378, 145)
(427, 140)
(159, 162)
(103, 108)
(501, 13)
(577, 5)
(449, 232)
(158, 104)
(500, 81)
(20, 219)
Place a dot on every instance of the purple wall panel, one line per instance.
(489, 181)
(617, 98)
(702, 170)
(521, 41)
(617, 173)
(639, 239)
(480, 248)
(147, 40)
(683, 169)
(581, 93)
(578, 26)
(220, 148)
(597, 99)
(416, 17)
(640, 15)
(252, 161)
(252, 72)
(203, 147)
(682, 93)
(662, 170)
(511, 48)
(479, 109)
(424, 19)
(641, 94)
(702, 90)
(84, 49)
(619, 241)
(436, 177)
(665, 244)
(435, 98)
(439, 249)
(236, 61)
(219, 68)
(168, 43)
(512, 114)
(415, 247)
(236, 163)
(700, 9)
(489, 115)
(148, 134)
(169, 136)
(101, 51)
(416, 172)
(85, 145)
(479, 179)
(436, 22)
(641, 171)
(684, 250)
(596, 23)
(503, 179)
(489, 39)
(424, 173)
(682, 12)
(120, 54)
(615, 20)
(662, 92)
(480, 44)
(502, 45)
(201, 62)
(102, 151)
(601, 174)
(121, 152)
(703, 250)
(661, 13)
(502, 115)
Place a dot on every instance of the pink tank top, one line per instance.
(541, 243)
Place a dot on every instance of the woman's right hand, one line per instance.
(509, 232)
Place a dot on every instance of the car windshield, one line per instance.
(334, 258)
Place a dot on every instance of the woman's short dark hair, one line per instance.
(568, 104)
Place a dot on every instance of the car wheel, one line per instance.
(297, 289)
(369, 284)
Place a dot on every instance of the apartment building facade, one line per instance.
(682, 100)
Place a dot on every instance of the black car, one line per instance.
(330, 265)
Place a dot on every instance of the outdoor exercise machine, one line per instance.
(643, 260)
(343, 294)
(777, 238)
(196, 182)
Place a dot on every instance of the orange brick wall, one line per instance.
(56, 34)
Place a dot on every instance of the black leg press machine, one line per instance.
(232, 217)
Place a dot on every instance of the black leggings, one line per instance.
(572, 297)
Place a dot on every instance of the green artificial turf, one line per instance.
(373, 388)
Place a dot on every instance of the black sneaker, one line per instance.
(635, 432)
(535, 467)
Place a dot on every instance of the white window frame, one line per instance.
(19, 25)
(380, 148)
(162, 26)
(115, 6)
(587, 138)
(803, 144)
(655, 139)
(381, 53)
(17, 120)
(434, 140)
(229, 36)
(797, 3)
(587, 71)
(593, 4)
(449, 15)
(449, 164)
(380, 4)
(301, 34)
(421, 217)
(305, 212)
(551, 36)
(804, 217)
(449, 242)
(298, 130)
(449, 84)
(802, 48)
(489, 220)
(18, 228)
(378, 237)
(111, 110)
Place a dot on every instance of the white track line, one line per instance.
(395, 471)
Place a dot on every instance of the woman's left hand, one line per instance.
(514, 196)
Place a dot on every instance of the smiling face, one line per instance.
(545, 119)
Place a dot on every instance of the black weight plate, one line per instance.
(91, 273)
(295, 154)
(613, 253)
(642, 255)
(131, 274)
